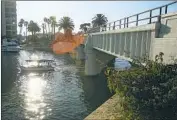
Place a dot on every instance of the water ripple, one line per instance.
(61, 94)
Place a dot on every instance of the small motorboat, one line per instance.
(38, 65)
(10, 46)
(121, 64)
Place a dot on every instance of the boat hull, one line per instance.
(10, 49)
(37, 68)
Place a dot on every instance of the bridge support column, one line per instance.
(80, 55)
(91, 66)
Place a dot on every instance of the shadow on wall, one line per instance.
(104, 59)
(164, 29)
(96, 88)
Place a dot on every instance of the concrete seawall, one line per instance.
(107, 110)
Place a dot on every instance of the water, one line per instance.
(65, 94)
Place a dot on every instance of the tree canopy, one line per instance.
(66, 23)
(33, 27)
(99, 20)
(84, 26)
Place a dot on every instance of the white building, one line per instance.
(8, 19)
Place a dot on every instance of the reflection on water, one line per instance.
(34, 96)
(62, 94)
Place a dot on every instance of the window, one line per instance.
(8, 15)
(8, 27)
(8, 33)
(14, 33)
(8, 21)
(7, 10)
(9, 3)
(13, 22)
(14, 28)
(12, 9)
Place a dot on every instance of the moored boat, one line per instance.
(9, 46)
(38, 65)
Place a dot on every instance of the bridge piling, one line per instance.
(80, 55)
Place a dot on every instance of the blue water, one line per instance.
(65, 94)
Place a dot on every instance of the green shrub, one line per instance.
(150, 90)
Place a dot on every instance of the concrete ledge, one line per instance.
(147, 27)
(106, 110)
(169, 15)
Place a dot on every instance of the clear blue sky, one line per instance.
(83, 11)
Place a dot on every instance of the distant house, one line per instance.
(39, 35)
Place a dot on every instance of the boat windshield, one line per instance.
(12, 45)
(39, 63)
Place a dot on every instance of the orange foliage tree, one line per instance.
(67, 42)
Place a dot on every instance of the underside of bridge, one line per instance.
(129, 43)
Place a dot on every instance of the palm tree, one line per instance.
(84, 27)
(20, 24)
(53, 24)
(66, 23)
(33, 28)
(45, 21)
(26, 25)
(48, 23)
(99, 20)
(43, 28)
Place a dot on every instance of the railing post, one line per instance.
(160, 12)
(109, 26)
(114, 25)
(166, 7)
(105, 27)
(124, 22)
(150, 16)
(120, 24)
(127, 22)
(137, 20)
(159, 19)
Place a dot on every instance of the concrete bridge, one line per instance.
(105, 43)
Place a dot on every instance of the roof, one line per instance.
(42, 60)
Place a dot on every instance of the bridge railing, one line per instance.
(125, 22)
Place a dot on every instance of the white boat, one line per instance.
(37, 68)
(121, 64)
(38, 65)
(10, 46)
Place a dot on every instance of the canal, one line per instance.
(65, 94)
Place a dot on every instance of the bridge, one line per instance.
(128, 39)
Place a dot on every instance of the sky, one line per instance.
(82, 11)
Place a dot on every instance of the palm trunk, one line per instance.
(32, 35)
(43, 31)
(48, 28)
(20, 30)
(48, 31)
(52, 29)
(54, 32)
(26, 32)
(51, 32)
